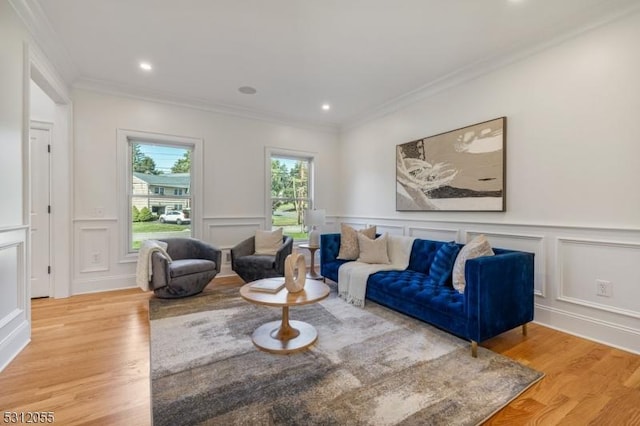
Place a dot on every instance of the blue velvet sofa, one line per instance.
(498, 295)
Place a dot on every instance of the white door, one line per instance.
(40, 139)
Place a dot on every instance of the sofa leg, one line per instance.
(524, 329)
(474, 349)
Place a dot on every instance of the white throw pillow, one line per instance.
(373, 251)
(268, 242)
(399, 249)
(477, 247)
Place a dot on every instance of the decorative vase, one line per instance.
(314, 237)
(295, 272)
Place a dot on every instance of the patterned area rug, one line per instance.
(370, 366)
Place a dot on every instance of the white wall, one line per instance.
(41, 107)
(573, 119)
(15, 329)
(234, 175)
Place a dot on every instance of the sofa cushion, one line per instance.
(440, 271)
(477, 247)
(373, 251)
(181, 267)
(268, 242)
(422, 254)
(330, 269)
(349, 249)
(419, 288)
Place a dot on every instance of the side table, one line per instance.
(312, 274)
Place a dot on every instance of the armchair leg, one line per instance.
(524, 329)
(474, 349)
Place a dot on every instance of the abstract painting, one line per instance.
(459, 170)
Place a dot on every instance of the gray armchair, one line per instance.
(251, 267)
(194, 264)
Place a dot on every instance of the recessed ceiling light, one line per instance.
(247, 90)
(146, 66)
(326, 107)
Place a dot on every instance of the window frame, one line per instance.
(290, 154)
(125, 173)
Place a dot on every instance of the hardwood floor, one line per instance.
(88, 362)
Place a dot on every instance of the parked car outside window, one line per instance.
(175, 216)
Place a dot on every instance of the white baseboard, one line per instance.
(606, 333)
(14, 343)
(98, 284)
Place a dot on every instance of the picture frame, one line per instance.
(458, 170)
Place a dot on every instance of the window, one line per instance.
(156, 213)
(291, 191)
(147, 161)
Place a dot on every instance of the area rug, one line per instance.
(370, 366)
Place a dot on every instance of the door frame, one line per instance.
(46, 126)
(38, 68)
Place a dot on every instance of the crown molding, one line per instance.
(43, 73)
(45, 37)
(478, 69)
(130, 92)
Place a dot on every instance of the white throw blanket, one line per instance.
(353, 276)
(144, 267)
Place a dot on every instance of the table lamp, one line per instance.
(313, 219)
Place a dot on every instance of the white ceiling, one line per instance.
(358, 55)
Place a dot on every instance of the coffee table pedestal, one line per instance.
(286, 336)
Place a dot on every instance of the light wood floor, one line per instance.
(88, 362)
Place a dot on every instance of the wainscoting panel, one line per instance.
(10, 264)
(97, 264)
(93, 245)
(586, 264)
(529, 243)
(227, 235)
(389, 229)
(226, 232)
(15, 306)
(436, 234)
(355, 225)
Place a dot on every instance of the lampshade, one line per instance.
(313, 218)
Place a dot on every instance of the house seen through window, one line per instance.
(160, 199)
(291, 183)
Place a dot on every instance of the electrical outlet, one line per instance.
(604, 288)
